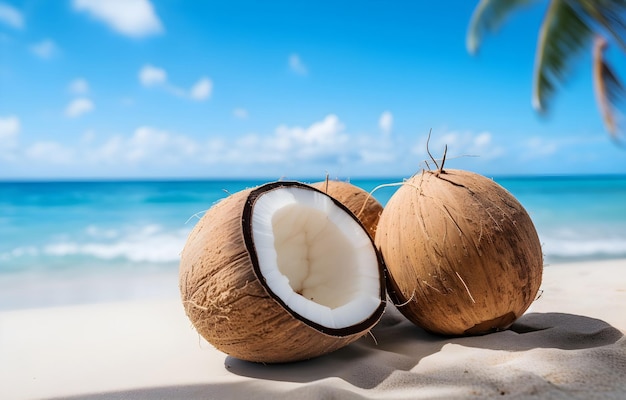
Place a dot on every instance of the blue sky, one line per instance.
(176, 89)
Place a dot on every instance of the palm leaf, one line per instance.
(608, 87)
(562, 36)
(487, 17)
(606, 15)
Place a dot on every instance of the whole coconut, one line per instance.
(281, 272)
(462, 253)
(362, 204)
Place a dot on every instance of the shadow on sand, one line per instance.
(399, 346)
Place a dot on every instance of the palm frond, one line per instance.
(562, 36)
(487, 17)
(606, 15)
(608, 87)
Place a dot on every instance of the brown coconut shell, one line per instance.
(366, 208)
(462, 254)
(228, 302)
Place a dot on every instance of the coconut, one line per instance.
(280, 273)
(462, 254)
(361, 203)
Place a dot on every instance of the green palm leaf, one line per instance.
(487, 17)
(562, 36)
(606, 15)
(566, 30)
(608, 87)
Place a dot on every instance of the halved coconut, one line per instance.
(366, 208)
(282, 272)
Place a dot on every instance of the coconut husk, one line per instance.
(228, 302)
(462, 253)
(362, 204)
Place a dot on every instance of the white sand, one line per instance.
(570, 345)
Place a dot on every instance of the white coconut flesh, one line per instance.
(315, 257)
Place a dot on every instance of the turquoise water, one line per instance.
(67, 242)
(576, 217)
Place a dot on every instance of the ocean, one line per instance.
(76, 242)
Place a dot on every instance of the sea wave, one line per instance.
(19, 252)
(154, 243)
(584, 248)
(150, 243)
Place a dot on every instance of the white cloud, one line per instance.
(45, 49)
(536, 147)
(134, 18)
(9, 128)
(460, 144)
(202, 89)
(482, 140)
(78, 107)
(240, 113)
(319, 146)
(11, 16)
(323, 144)
(296, 65)
(146, 145)
(324, 134)
(484, 146)
(79, 86)
(323, 141)
(376, 156)
(109, 152)
(148, 142)
(50, 152)
(385, 122)
(150, 75)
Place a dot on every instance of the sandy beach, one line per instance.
(570, 344)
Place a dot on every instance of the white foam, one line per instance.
(587, 247)
(150, 243)
(17, 252)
